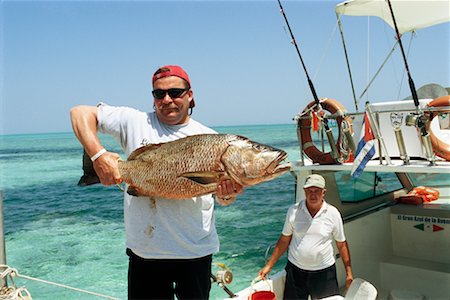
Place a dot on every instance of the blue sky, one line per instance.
(243, 68)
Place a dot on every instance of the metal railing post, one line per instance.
(3, 282)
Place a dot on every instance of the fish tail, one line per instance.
(89, 175)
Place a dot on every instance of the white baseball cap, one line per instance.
(314, 180)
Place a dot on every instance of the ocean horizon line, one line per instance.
(213, 127)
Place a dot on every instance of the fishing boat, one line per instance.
(398, 233)
(397, 211)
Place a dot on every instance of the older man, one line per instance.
(310, 227)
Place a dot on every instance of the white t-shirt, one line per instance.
(161, 229)
(311, 245)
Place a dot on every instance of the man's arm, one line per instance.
(344, 252)
(84, 124)
(280, 248)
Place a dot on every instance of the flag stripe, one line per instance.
(368, 134)
(366, 148)
(366, 153)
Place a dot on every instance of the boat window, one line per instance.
(428, 179)
(368, 185)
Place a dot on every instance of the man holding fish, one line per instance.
(170, 242)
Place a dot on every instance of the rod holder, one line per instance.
(401, 145)
(428, 149)
(334, 150)
(299, 138)
(396, 122)
(420, 122)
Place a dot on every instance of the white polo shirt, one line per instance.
(311, 246)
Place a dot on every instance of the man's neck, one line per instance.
(314, 209)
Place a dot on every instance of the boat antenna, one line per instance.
(418, 119)
(311, 86)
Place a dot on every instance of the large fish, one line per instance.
(193, 166)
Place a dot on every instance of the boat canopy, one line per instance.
(410, 15)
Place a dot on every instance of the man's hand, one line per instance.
(107, 168)
(227, 191)
(264, 271)
(348, 282)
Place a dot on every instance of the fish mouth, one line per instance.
(278, 165)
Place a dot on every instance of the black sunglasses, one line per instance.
(173, 93)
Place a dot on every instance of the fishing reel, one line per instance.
(417, 120)
(223, 276)
(420, 122)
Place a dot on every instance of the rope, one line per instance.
(344, 145)
(66, 286)
(13, 272)
(378, 71)
(8, 271)
(327, 48)
(12, 292)
(407, 55)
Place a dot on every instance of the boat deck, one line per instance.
(402, 247)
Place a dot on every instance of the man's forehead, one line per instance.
(313, 189)
(168, 80)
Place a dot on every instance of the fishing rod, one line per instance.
(418, 119)
(410, 80)
(311, 86)
(334, 151)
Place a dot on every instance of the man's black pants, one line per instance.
(164, 278)
(301, 283)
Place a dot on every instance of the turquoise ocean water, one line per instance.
(72, 235)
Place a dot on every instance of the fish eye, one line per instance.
(257, 148)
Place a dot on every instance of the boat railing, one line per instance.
(388, 121)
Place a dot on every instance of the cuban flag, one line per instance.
(365, 150)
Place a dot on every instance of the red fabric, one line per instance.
(368, 134)
(419, 195)
(172, 71)
(315, 121)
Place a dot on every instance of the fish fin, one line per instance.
(133, 191)
(89, 175)
(203, 178)
(139, 151)
(88, 180)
